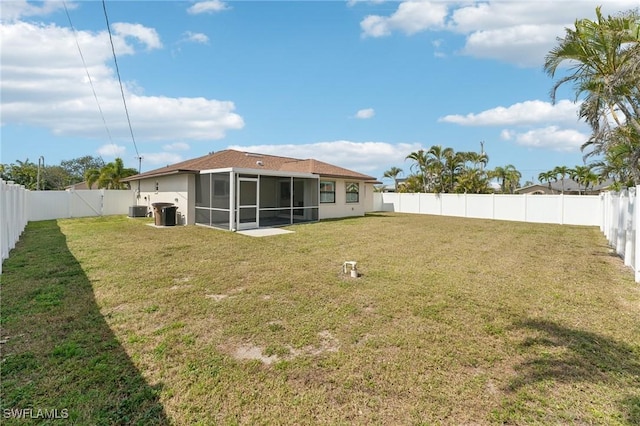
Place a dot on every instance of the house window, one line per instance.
(327, 191)
(353, 192)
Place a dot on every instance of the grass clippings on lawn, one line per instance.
(452, 321)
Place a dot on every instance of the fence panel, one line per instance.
(479, 207)
(13, 216)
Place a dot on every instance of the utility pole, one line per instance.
(482, 154)
(40, 164)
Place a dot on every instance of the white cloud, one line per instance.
(364, 157)
(16, 9)
(411, 17)
(148, 36)
(365, 113)
(44, 84)
(523, 45)
(522, 113)
(211, 6)
(112, 150)
(195, 37)
(176, 146)
(552, 137)
(160, 158)
(519, 32)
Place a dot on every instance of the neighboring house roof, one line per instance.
(248, 160)
(570, 185)
(79, 185)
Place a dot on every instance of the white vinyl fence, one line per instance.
(613, 212)
(619, 225)
(45, 205)
(13, 216)
(560, 209)
(19, 206)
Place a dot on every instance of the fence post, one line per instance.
(636, 239)
(620, 234)
(629, 255)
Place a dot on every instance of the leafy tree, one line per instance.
(55, 178)
(414, 183)
(22, 173)
(604, 68)
(393, 173)
(77, 167)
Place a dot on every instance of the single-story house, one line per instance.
(568, 186)
(237, 190)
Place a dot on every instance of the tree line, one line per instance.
(444, 170)
(89, 169)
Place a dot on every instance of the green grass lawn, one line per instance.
(452, 321)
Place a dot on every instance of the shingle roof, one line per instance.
(247, 160)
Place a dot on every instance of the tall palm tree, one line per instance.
(562, 172)
(508, 177)
(421, 163)
(453, 165)
(437, 166)
(546, 177)
(91, 176)
(583, 176)
(604, 59)
(393, 173)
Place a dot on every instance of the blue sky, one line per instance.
(359, 84)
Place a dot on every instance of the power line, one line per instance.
(115, 60)
(75, 35)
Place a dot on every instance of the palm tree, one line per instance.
(583, 176)
(454, 163)
(421, 160)
(110, 175)
(508, 177)
(604, 59)
(563, 172)
(91, 176)
(393, 173)
(615, 166)
(546, 177)
(437, 165)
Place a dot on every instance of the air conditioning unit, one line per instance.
(137, 211)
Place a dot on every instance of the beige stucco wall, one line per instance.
(343, 209)
(175, 189)
(170, 189)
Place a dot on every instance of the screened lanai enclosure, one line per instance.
(245, 199)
